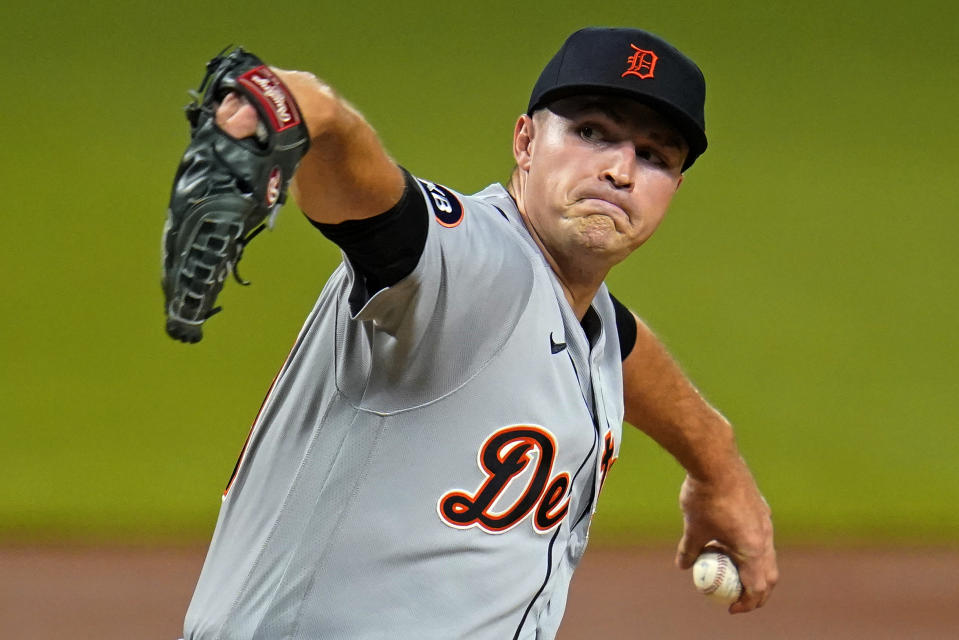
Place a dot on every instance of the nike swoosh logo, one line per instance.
(554, 346)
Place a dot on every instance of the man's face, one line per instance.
(601, 172)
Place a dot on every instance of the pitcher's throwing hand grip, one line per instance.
(225, 188)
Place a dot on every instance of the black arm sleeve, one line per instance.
(625, 327)
(386, 248)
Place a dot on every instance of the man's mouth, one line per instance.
(604, 206)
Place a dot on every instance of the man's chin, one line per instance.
(605, 244)
(598, 222)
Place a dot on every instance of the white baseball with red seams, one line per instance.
(716, 576)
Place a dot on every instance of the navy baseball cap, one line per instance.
(632, 63)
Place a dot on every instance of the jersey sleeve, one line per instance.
(423, 336)
(384, 249)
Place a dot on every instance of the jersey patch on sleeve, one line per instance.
(447, 208)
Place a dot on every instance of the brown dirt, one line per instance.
(104, 594)
(874, 594)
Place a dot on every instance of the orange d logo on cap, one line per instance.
(642, 63)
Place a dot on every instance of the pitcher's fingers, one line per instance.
(752, 598)
(689, 549)
(227, 108)
(236, 116)
(756, 590)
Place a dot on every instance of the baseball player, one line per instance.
(428, 459)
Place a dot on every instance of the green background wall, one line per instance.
(805, 277)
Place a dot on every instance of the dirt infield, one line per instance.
(108, 594)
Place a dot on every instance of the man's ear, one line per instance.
(522, 141)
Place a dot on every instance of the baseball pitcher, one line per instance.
(428, 459)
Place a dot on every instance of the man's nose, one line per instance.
(620, 161)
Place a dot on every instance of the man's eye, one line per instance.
(650, 156)
(587, 133)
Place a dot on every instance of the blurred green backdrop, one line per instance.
(805, 276)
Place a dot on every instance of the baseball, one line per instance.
(716, 576)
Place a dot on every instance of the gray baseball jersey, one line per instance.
(429, 457)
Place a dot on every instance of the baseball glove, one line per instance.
(225, 188)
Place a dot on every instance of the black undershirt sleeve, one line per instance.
(625, 327)
(386, 248)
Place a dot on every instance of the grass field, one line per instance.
(805, 277)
